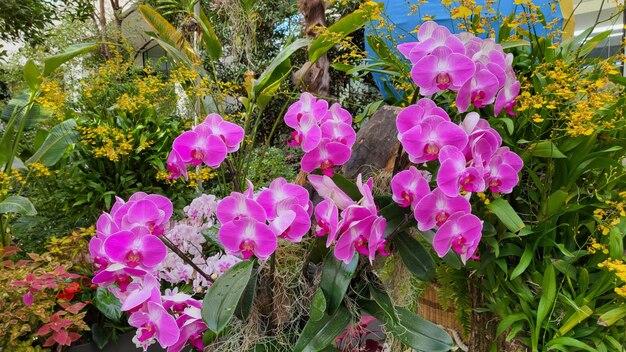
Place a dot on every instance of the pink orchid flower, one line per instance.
(153, 321)
(176, 166)
(191, 329)
(291, 222)
(506, 96)
(483, 141)
(327, 218)
(436, 208)
(502, 171)
(307, 133)
(200, 146)
(413, 115)
(462, 232)
(278, 191)
(237, 206)
(106, 225)
(337, 114)
(232, 134)
(408, 187)
(307, 105)
(135, 248)
(354, 239)
(479, 91)
(139, 291)
(327, 189)
(424, 141)
(326, 156)
(248, 237)
(118, 274)
(454, 175)
(441, 70)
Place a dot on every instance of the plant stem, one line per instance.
(185, 258)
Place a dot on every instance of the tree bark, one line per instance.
(314, 78)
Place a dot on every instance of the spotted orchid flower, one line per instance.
(441, 70)
(436, 208)
(462, 232)
(326, 156)
(408, 187)
(153, 322)
(200, 146)
(248, 237)
(454, 175)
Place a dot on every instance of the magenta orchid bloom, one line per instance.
(436, 208)
(483, 141)
(176, 166)
(278, 191)
(307, 105)
(237, 206)
(327, 218)
(292, 221)
(337, 114)
(506, 96)
(200, 146)
(479, 91)
(118, 274)
(354, 239)
(191, 329)
(408, 187)
(376, 242)
(430, 36)
(454, 175)
(502, 171)
(230, 133)
(153, 322)
(106, 225)
(248, 237)
(413, 115)
(307, 133)
(327, 189)
(462, 232)
(336, 125)
(135, 248)
(441, 70)
(139, 291)
(424, 141)
(326, 156)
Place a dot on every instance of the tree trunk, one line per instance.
(314, 78)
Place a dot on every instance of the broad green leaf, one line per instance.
(514, 43)
(55, 144)
(318, 334)
(505, 213)
(337, 32)
(100, 335)
(570, 342)
(168, 33)
(383, 301)
(545, 149)
(221, 298)
(336, 277)
(616, 242)
(51, 63)
(590, 44)
(212, 44)
(318, 305)
(32, 76)
(576, 318)
(18, 205)
(507, 321)
(244, 307)
(285, 54)
(548, 294)
(612, 316)
(108, 304)
(416, 259)
(524, 261)
(555, 203)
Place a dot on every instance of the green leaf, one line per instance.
(168, 34)
(51, 63)
(244, 307)
(612, 316)
(514, 43)
(545, 149)
(616, 242)
(507, 321)
(18, 205)
(318, 305)
(32, 76)
(590, 44)
(548, 294)
(505, 213)
(416, 259)
(576, 318)
(55, 144)
(318, 334)
(212, 44)
(383, 301)
(100, 335)
(221, 298)
(336, 277)
(570, 342)
(285, 54)
(337, 32)
(108, 304)
(524, 261)
(348, 187)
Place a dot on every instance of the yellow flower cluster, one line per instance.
(39, 169)
(610, 216)
(202, 175)
(106, 142)
(148, 93)
(5, 183)
(574, 98)
(618, 267)
(594, 246)
(71, 248)
(111, 71)
(52, 98)
(11, 181)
